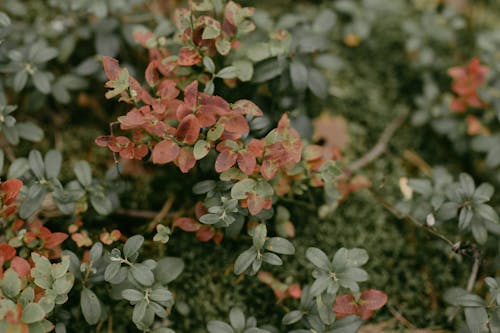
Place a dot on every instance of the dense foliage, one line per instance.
(249, 166)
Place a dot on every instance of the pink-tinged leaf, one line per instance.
(165, 151)
(246, 162)
(235, 123)
(256, 147)
(268, 169)
(21, 266)
(373, 299)
(151, 75)
(245, 106)
(133, 118)
(214, 104)
(7, 252)
(111, 68)
(345, 305)
(295, 291)
(225, 161)
(265, 277)
(142, 37)
(82, 239)
(186, 160)
(10, 189)
(457, 105)
(140, 152)
(188, 130)
(104, 140)
(109, 238)
(54, 240)
(205, 233)
(191, 94)
(188, 57)
(231, 12)
(255, 203)
(187, 224)
(167, 89)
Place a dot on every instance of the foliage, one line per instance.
(268, 133)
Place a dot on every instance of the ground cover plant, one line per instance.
(249, 166)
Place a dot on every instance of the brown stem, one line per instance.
(474, 271)
(381, 145)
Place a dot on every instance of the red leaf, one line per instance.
(225, 160)
(205, 233)
(10, 189)
(247, 107)
(104, 140)
(268, 169)
(133, 118)
(21, 266)
(256, 147)
(167, 89)
(187, 224)
(186, 160)
(165, 151)
(373, 299)
(188, 130)
(55, 239)
(7, 252)
(235, 123)
(257, 203)
(246, 162)
(294, 291)
(191, 94)
(151, 74)
(111, 68)
(188, 57)
(345, 305)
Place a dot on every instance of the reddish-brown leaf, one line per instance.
(104, 140)
(21, 266)
(167, 89)
(373, 299)
(165, 151)
(187, 224)
(188, 130)
(54, 239)
(151, 74)
(332, 130)
(345, 305)
(111, 68)
(225, 160)
(188, 57)
(205, 233)
(186, 160)
(268, 169)
(247, 107)
(10, 189)
(246, 162)
(235, 123)
(7, 252)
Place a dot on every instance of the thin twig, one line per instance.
(380, 146)
(137, 213)
(474, 271)
(399, 317)
(162, 213)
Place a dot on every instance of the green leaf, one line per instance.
(280, 245)
(318, 258)
(132, 245)
(95, 252)
(18, 168)
(111, 270)
(101, 203)
(132, 295)
(240, 189)
(349, 324)
(461, 297)
(317, 83)
(259, 236)
(237, 319)
(244, 260)
(83, 173)
(229, 72)
(272, 259)
(161, 295)
(142, 274)
(32, 313)
(298, 74)
(447, 211)
(223, 46)
(320, 284)
(209, 64)
(4, 19)
(36, 163)
(292, 317)
(476, 319)
(216, 326)
(29, 131)
(467, 184)
(11, 284)
(204, 186)
(20, 80)
(324, 21)
(483, 193)
(201, 149)
(244, 69)
(53, 162)
(33, 200)
(91, 307)
(139, 311)
(168, 269)
(41, 80)
(486, 212)
(210, 218)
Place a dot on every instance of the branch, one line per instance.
(381, 145)
(475, 269)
